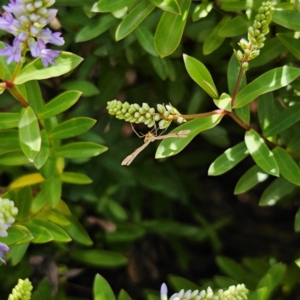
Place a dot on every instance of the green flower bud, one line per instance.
(152, 111)
(245, 66)
(22, 291)
(239, 55)
(145, 106)
(156, 117)
(161, 108)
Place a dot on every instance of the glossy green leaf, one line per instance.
(29, 133)
(283, 120)
(9, 141)
(87, 88)
(53, 188)
(35, 97)
(9, 120)
(17, 252)
(39, 201)
(260, 294)
(266, 110)
(71, 128)
(178, 283)
(146, 39)
(15, 234)
(29, 237)
(102, 289)
(124, 296)
(58, 219)
(199, 73)
(95, 28)
(288, 168)
(173, 146)
(24, 203)
(170, 6)
(224, 102)
(230, 158)
(287, 18)
(294, 145)
(41, 235)
(160, 66)
(272, 49)
(235, 5)
(250, 178)
(233, 73)
(75, 178)
(109, 5)
(100, 258)
(80, 150)
(49, 167)
(234, 27)
(58, 234)
(291, 43)
(213, 41)
(77, 231)
(170, 29)
(260, 153)
(43, 155)
(134, 18)
(14, 158)
(36, 71)
(269, 81)
(275, 191)
(59, 104)
(29, 179)
(201, 11)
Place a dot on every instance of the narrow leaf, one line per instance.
(72, 128)
(9, 120)
(199, 73)
(102, 289)
(36, 71)
(297, 228)
(275, 191)
(287, 18)
(291, 43)
(59, 104)
(76, 178)
(170, 29)
(260, 152)
(146, 39)
(29, 179)
(230, 158)
(173, 146)
(80, 150)
(43, 155)
(109, 5)
(29, 133)
(134, 18)
(53, 189)
(269, 81)
(250, 179)
(234, 27)
(41, 235)
(288, 168)
(170, 6)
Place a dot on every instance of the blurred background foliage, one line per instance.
(163, 220)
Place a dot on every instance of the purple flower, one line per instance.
(3, 248)
(48, 37)
(163, 292)
(13, 52)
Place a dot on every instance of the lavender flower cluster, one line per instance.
(26, 19)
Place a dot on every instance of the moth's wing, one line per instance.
(179, 134)
(129, 159)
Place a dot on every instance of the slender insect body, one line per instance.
(150, 137)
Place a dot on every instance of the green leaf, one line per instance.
(94, 28)
(291, 43)
(260, 153)
(260, 294)
(233, 73)
(24, 203)
(49, 167)
(80, 150)
(288, 168)
(36, 71)
(224, 102)
(109, 5)
(125, 232)
(213, 41)
(59, 104)
(58, 234)
(170, 29)
(269, 81)
(87, 88)
(102, 289)
(9, 120)
(100, 258)
(29, 133)
(71, 128)
(39, 201)
(173, 146)
(234, 27)
(160, 66)
(275, 191)
(53, 189)
(76, 230)
(146, 39)
(15, 234)
(76, 178)
(43, 155)
(199, 73)
(230, 158)
(9, 141)
(41, 235)
(35, 98)
(29, 179)
(201, 11)
(283, 120)
(170, 6)
(14, 158)
(178, 283)
(287, 18)
(124, 296)
(250, 179)
(17, 252)
(134, 18)
(297, 227)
